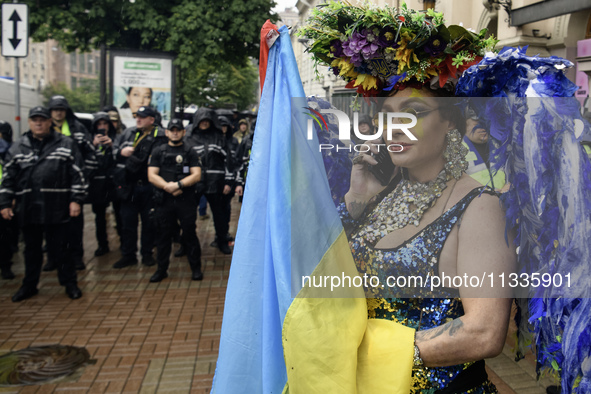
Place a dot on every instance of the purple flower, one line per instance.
(361, 45)
(336, 48)
(435, 45)
(387, 37)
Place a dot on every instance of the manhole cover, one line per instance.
(35, 365)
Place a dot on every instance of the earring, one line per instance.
(455, 154)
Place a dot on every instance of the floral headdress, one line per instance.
(376, 49)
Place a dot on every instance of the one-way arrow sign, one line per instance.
(15, 30)
(15, 20)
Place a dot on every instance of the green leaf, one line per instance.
(444, 32)
(457, 32)
(219, 33)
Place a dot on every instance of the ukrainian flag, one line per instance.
(272, 342)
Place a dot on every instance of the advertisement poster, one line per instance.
(142, 79)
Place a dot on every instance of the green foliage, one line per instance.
(218, 32)
(85, 98)
(368, 45)
(224, 84)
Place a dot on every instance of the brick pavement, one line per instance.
(145, 337)
(149, 337)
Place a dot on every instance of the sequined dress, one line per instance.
(419, 255)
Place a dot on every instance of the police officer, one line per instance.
(479, 163)
(209, 142)
(43, 174)
(8, 228)
(67, 124)
(173, 169)
(101, 188)
(132, 150)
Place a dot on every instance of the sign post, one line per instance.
(15, 43)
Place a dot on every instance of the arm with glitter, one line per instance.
(481, 331)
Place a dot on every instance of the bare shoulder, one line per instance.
(464, 186)
(484, 213)
(484, 245)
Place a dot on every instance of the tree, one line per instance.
(213, 32)
(85, 98)
(225, 84)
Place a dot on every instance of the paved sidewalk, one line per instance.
(146, 337)
(150, 337)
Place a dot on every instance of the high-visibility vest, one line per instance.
(478, 170)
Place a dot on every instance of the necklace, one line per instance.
(405, 204)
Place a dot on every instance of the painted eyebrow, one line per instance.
(406, 102)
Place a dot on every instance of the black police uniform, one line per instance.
(8, 241)
(135, 192)
(80, 135)
(44, 177)
(174, 163)
(210, 144)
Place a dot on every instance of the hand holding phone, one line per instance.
(384, 169)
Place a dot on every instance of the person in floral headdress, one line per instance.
(409, 225)
(429, 221)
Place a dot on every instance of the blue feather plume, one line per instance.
(538, 125)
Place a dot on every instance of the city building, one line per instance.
(48, 64)
(289, 17)
(552, 27)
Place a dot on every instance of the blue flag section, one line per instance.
(259, 287)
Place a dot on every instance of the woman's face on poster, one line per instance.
(138, 97)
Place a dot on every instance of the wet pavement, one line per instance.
(150, 337)
(145, 337)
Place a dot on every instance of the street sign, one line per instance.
(15, 30)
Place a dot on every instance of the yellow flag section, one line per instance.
(330, 345)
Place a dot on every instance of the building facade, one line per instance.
(48, 64)
(552, 27)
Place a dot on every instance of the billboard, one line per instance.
(142, 78)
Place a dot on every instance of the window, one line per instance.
(33, 56)
(41, 58)
(428, 4)
(90, 64)
(73, 65)
(74, 83)
(81, 63)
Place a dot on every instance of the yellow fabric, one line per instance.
(330, 346)
(385, 358)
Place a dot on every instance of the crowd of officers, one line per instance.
(147, 171)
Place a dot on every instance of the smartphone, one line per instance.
(384, 169)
